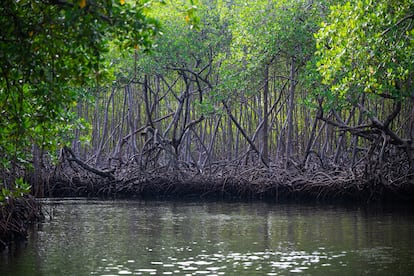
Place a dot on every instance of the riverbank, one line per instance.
(231, 182)
(219, 182)
(16, 214)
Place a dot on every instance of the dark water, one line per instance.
(188, 238)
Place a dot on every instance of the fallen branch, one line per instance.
(85, 166)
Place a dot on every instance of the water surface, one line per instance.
(93, 237)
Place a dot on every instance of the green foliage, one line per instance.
(49, 50)
(20, 189)
(264, 32)
(367, 47)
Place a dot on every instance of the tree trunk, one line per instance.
(104, 130)
(291, 106)
(311, 139)
(244, 133)
(354, 150)
(37, 175)
(265, 129)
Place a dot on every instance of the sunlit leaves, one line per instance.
(20, 189)
(268, 31)
(48, 50)
(367, 47)
(82, 3)
(191, 16)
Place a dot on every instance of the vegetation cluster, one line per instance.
(251, 99)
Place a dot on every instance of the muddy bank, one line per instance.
(16, 214)
(229, 182)
(221, 181)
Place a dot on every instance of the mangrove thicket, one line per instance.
(250, 99)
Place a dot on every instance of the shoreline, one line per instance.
(278, 185)
(220, 183)
(16, 217)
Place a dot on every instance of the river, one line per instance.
(95, 237)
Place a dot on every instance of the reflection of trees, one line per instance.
(81, 235)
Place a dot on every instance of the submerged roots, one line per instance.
(231, 182)
(15, 216)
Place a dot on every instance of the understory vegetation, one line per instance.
(287, 99)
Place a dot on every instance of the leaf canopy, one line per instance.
(367, 47)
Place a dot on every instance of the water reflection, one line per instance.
(192, 238)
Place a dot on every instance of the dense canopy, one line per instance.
(182, 85)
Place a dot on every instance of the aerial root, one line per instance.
(15, 217)
(236, 182)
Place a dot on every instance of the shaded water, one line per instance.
(86, 237)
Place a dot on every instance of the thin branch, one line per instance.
(197, 75)
(144, 127)
(251, 143)
(410, 16)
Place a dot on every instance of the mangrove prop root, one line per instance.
(15, 216)
(86, 166)
(232, 181)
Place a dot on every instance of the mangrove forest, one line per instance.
(280, 100)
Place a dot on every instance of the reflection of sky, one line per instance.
(153, 238)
